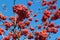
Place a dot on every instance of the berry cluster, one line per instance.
(21, 11)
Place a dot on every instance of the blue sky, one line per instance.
(36, 4)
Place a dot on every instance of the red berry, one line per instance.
(29, 3)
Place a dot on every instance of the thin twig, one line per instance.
(14, 2)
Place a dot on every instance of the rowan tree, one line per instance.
(28, 24)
